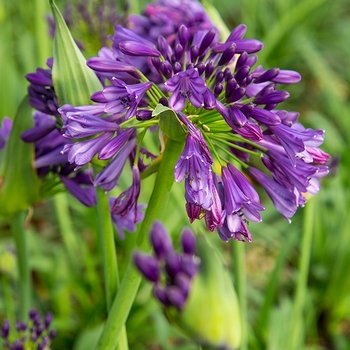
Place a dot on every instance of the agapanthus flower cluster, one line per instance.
(228, 109)
(171, 272)
(226, 106)
(34, 334)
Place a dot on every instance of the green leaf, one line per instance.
(73, 80)
(19, 184)
(169, 123)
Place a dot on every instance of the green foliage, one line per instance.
(308, 36)
(18, 192)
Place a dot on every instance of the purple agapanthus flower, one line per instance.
(185, 86)
(197, 171)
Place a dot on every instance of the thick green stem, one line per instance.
(109, 256)
(239, 271)
(107, 246)
(132, 278)
(20, 237)
(301, 289)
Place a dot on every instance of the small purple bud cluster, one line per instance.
(170, 271)
(165, 17)
(34, 334)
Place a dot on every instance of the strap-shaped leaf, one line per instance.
(19, 184)
(73, 80)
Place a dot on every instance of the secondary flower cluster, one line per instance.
(170, 271)
(34, 333)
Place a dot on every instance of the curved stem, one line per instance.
(109, 257)
(20, 237)
(132, 278)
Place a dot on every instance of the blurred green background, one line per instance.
(311, 37)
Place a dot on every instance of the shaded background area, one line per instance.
(311, 37)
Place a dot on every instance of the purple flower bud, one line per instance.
(177, 67)
(209, 100)
(143, 114)
(166, 69)
(237, 33)
(5, 329)
(194, 53)
(200, 67)
(188, 241)
(236, 95)
(21, 326)
(242, 60)
(134, 48)
(179, 51)
(100, 64)
(43, 343)
(230, 87)
(209, 69)
(207, 40)
(189, 265)
(164, 47)
(219, 77)
(176, 296)
(193, 211)
(265, 117)
(39, 131)
(218, 89)
(272, 98)
(52, 334)
(156, 63)
(287, 77)
(236, 117)
(183, 281)
(161, 295)
(148, 266)
(267, 75)
(160, 240)
(248, 45)
(17, 345)
(33, 314)
(183, 36)
(227, 55)
(242, 73)
(172, 264)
